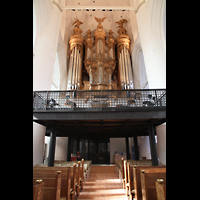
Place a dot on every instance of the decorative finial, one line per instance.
(100, 20)
(121, 22)
(77, 23)
(77, 30)
(111, 34)
(89, 33)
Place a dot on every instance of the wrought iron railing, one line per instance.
(97, 100)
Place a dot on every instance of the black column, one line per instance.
(69, 149)
(78, 143)
(136, 147)
(52, 145)
(152, 141)
(127, 148)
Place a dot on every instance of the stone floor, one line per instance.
(103, 183)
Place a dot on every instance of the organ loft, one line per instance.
(99, 62)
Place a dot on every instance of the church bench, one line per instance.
(74, 184)
(38, 189)
(160, 189)
(148, 179)
(123, 176)
(52, 184)
(65, 178)
(131, 190)
(126, 177)
(137, 179)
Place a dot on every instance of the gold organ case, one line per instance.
(100, 59)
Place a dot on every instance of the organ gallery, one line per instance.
(100, 62)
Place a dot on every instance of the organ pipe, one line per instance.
(91, 76)
(73, 68)
(130, 72)
(79, 70)
(124, 68)
(70, 69)
(127, 67)
(76, 74)
(120, 70)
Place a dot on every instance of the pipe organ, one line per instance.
(100, 59)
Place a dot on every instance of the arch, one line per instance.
(158, 18)
(59, 80)
(41, 14)
(56, 75)
(139, 69)
(143, 75)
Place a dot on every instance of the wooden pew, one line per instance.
(123, 177)
(65, 179)
(73, 181)
(148, 179)
(160, 189)
(137, 179)
(38, 189)
(82, 174)
(126, 177)
(131, 190)
(52, 184)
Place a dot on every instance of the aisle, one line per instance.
(103, 184)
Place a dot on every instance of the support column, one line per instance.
(69, 149)
(52, 145)
(127, 148)
(136, 147)
(78, 143)
(152, 141)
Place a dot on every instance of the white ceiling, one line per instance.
(97, 3)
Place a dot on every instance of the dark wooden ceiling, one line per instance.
(101, 128)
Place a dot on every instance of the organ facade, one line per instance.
(106, 60)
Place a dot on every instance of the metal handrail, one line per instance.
(97, 100)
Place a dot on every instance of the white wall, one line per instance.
(117, 144)
(161, 143)
(144, 147)
(38, 143)
(61, 148)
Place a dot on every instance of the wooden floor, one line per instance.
(103, 183)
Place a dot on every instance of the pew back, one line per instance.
(148, 179)
(38, 190)
(65, 178)
(130, 179)
(160, 189)
(52, 184)
(137, 179)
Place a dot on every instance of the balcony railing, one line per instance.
(98, 100)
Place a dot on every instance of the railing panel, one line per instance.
(97, 100)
